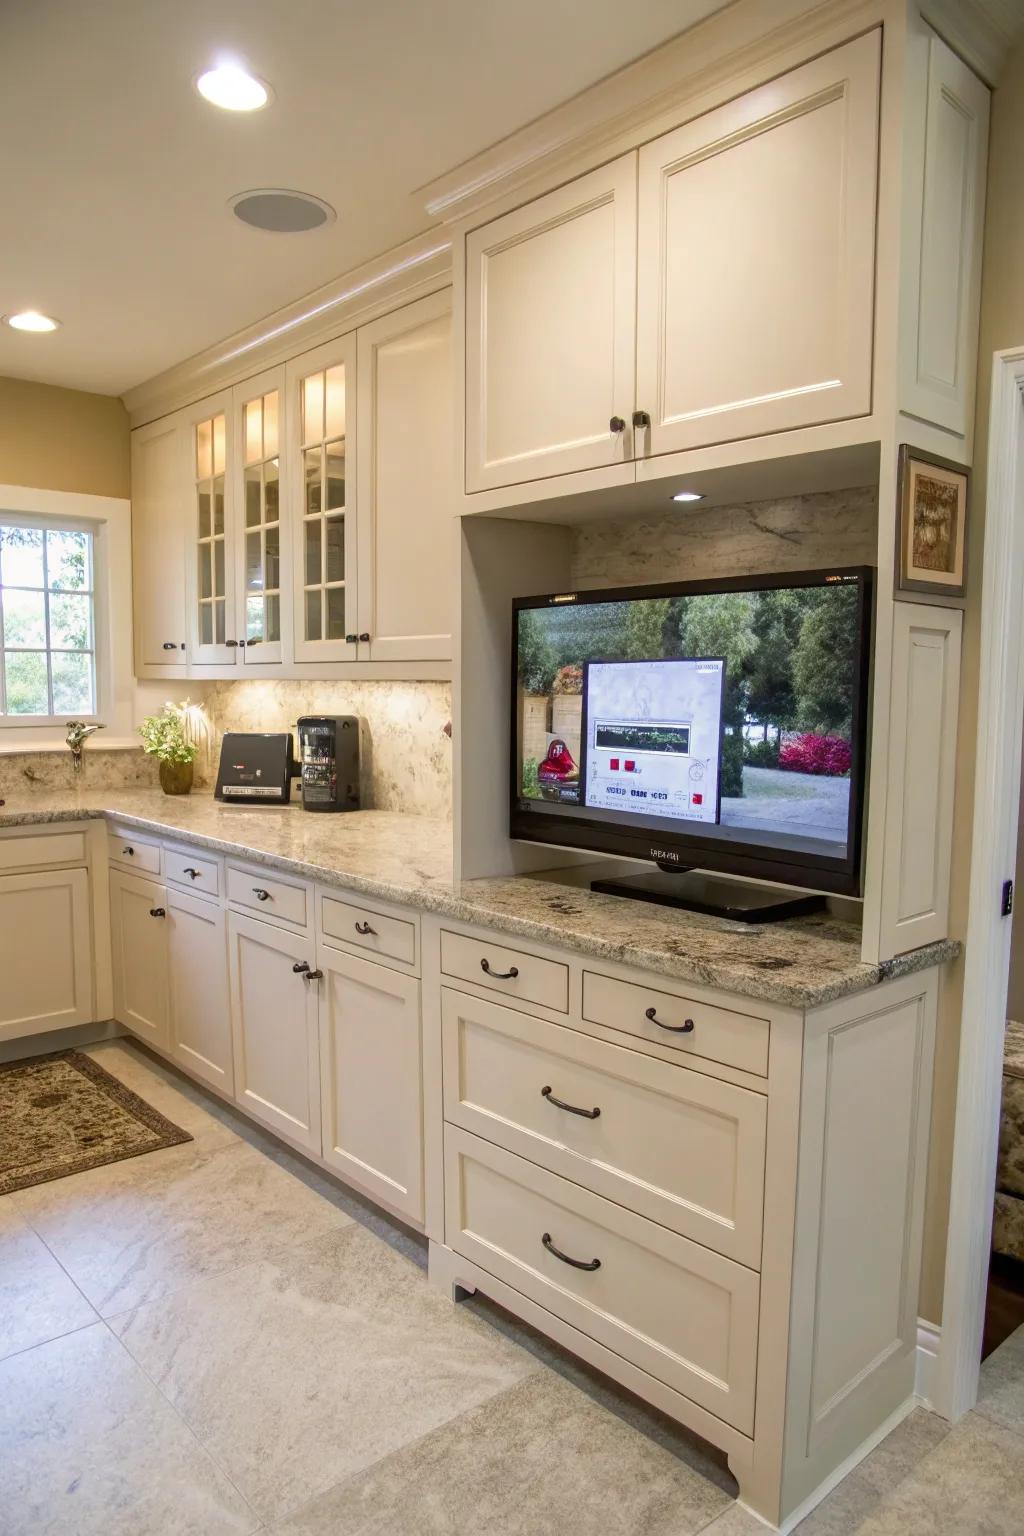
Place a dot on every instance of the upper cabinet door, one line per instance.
(406, 483)
(756, 268)
(944, 216)
(210, 586)
(321, 425)
(258, 442)
(161, 499)
(550, 333)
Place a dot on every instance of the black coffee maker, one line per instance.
(329, 762)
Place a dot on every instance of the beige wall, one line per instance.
(62, 439)
(1002, 325)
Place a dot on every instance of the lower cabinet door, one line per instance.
(371, 1079)
(274, 1024)
(200, 1019)
(138, 941)
(45, 952)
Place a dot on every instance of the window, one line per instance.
(47, 621)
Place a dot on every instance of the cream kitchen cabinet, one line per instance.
(406, 484)
(199, 1019)
(550, 333)
(159, 484)
(371, 1078)
(755, 274)
(715, 284)
(138, 940)
(274, 998)
(320, 416)
(46, 965)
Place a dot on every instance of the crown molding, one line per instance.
(973, 32)
(398, 277)
(684, 77)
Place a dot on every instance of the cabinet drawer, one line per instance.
(391, 937)
(680, 1147)
(255, 889)
(680, 1312)
(525, 977)
(131, 852)
(735, 1039)
(51, 848)
(196, 874)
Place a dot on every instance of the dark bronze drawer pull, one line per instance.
(685, 1028)
(301, 968)
(260, 893)
(509, 975)
(588, 1114)
(193, 874)
(576, 1263)
(364, 929)
(129, 851)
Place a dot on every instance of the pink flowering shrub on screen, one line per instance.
(810, 753)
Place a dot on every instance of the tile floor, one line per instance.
(217, 1339)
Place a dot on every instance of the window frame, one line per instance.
(12, 518)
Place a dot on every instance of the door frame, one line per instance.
(997, 785)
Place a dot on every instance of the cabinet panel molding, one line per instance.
(45, 952)
(550, 332)
(756, 238)
(138, 940)
(944, 222)
(200, 1025)
(922, 771)
(160, 517)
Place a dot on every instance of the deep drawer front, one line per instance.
(261, 892)
(683, 1148)
(196, 874)
(719, 1034)
(685, 1315)
(128, 852)
(391, 937)
(527, 978)
(52, 848)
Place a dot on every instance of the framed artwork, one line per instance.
(931, 528)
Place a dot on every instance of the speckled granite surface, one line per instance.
(409, 859)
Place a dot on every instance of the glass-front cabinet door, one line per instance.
(321, 403)
(260, 456)
(211, 585)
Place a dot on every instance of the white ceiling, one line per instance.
(115, 175)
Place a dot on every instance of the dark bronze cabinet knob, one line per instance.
(157, 912)
(617, 424)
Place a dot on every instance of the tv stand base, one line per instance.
(696, 892)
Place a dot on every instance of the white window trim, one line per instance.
(108, 519)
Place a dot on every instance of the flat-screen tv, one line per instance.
(709, 725)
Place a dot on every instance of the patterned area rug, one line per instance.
(63, 1113)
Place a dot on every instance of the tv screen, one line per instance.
(712, 725)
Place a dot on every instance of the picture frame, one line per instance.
(931, 525)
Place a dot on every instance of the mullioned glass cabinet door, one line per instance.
(210, 583)
(262, 504)
(321, 397)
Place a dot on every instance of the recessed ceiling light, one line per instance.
(231, 87)
(31, 320)
(688, 496)
(281, 210)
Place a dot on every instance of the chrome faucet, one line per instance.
(77, 733)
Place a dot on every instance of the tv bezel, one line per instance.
(691, 850)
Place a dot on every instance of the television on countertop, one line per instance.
(714, 726)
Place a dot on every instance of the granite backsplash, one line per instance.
(406, 762)
(101, 769)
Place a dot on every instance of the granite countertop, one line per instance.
(408, 859)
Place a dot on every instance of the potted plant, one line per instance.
(166, 736)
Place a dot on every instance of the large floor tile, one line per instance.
(970, 1485)
(1001, 1388)
(137, 1230)
(88, 1447)
(539, 1460)
(861, 1492)
(736, 1521)
(185, 1104)
(303, 1369)
(37, 1300)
